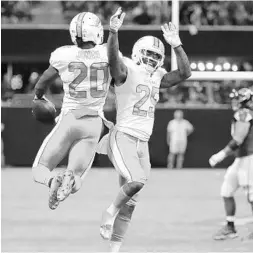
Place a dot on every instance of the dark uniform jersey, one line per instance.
(244, 115)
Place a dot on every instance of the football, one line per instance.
(43, 110)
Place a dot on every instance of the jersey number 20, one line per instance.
(137, 107)
(94, 68)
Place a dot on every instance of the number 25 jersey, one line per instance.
(85, 76)
(136, 99)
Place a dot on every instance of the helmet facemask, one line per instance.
(150, 59)
(148, 52)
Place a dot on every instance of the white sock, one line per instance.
(115, 246)
(41, 174)
(230, 218)
(112, 210)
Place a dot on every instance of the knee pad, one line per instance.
(132, 188)
(227, 189)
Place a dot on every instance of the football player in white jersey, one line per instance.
(137, 83)
(84, 71)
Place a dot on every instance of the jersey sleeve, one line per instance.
(160, 74)
(56, 58)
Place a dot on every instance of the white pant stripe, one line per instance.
(120, 165)
(44, 144)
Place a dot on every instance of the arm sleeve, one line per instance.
(241, 125)
(55, 59)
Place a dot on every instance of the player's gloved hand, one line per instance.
(116, 20)
(217, 158)
(170, 34)
(42, 98)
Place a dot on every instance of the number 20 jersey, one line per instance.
(136, 99)
(85, 76)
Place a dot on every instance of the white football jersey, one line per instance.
(85, 76)
(136, 99)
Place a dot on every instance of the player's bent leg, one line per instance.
(124, 156)
(109, 215)
(122, 221)
(81, 155)
(121, 225)
(78, 166)
(52, 151)
(228, 189)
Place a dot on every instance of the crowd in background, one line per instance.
(138, 12)
(189, 93)
(192, 13)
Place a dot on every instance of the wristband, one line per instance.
(233, 145)
(39, 93)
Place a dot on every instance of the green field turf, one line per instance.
(178, 211)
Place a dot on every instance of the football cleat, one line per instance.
(227, 232)
(56, 183)
(106, 227)
(67, 185)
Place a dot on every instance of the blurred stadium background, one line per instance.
(217, 36)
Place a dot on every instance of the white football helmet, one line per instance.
(149, 51)
(87, 26)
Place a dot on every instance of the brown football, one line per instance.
(43, 111)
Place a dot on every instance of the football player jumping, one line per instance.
(84, 71)
(137, 83)
(240, 173)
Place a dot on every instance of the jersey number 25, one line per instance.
(148, 95)
(94, 68)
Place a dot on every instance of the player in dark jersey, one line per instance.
(240, 173)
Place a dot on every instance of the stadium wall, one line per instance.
(23, 136)
(35, 45)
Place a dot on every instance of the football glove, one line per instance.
(170, 34)
(42, 98)
(116, 20)
(217, 158)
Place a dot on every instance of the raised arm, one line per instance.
(118, 69)
(45, 80)
(183, 72)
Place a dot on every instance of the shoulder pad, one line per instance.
(243, 115)
(63, 48)
(59, 54)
